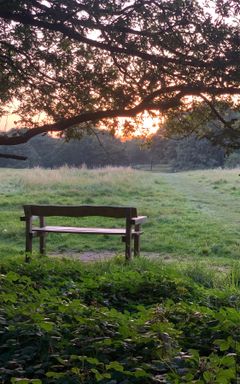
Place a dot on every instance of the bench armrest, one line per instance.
(138, 220)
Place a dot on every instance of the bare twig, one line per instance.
(101, 144)
(219, 116)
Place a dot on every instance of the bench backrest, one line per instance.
(79, 211)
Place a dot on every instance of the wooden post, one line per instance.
(42, 237)
(128, 239)
(137, 241)
(29, 237)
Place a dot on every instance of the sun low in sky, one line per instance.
(146, 126)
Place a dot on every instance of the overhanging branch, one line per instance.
(11, 156)
(148, 103)
(27, 18)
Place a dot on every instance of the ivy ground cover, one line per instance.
(64, 322)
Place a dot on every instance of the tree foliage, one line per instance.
(77, 63)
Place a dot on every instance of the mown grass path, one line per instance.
(212, 208)
(214, 194)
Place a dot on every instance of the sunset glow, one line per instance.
(146, 127)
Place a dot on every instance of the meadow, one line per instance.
(170, 316)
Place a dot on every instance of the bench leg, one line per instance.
(28, 247)
(29, 237)
(42, 237)
(42, 244)
(137, 242)
(128, 249)
(128, 240)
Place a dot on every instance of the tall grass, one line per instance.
(69, 176)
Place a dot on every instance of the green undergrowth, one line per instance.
(108, 323)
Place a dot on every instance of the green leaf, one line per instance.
(55, 375)
(93, 361)
(228, 361)
(139, 372)
(224, 345)
(208, 376)
(115, 365)
(46, 326)
(9, 297)
(226, 374)
(12, 276)
(97, 374)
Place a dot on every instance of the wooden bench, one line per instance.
(131, 231)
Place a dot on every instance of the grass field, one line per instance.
(170, 317)
(192, 215)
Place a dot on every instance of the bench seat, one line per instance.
(85, 230)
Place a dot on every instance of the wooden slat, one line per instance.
(79, 211)
(83, 230)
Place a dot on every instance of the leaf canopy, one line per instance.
(76, 62)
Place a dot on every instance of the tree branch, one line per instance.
(11, 156)
(94, 116)
(101, 144)
(27, 19)
(20, 70)
(218, 115)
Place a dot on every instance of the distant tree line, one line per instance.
(103, 149)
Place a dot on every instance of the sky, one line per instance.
(7, 122)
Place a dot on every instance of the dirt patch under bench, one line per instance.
(104, 255)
